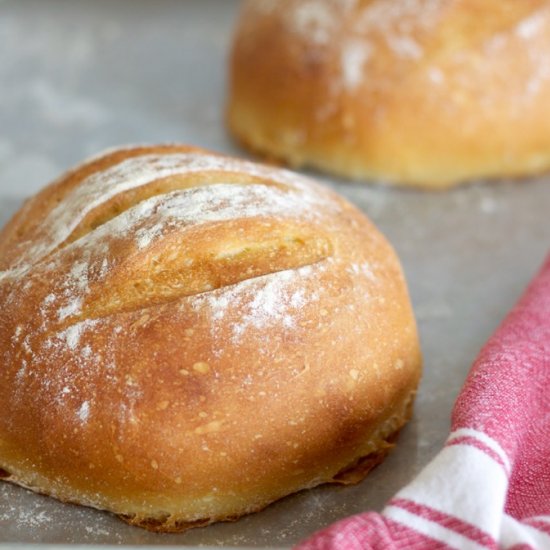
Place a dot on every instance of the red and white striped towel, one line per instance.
(489, 487)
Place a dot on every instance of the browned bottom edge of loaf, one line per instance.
(281, 156)
(350, 475)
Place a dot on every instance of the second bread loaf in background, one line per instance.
(424, 92)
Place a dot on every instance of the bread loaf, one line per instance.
(187, 338)
(424, 92)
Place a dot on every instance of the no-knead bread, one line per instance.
(188, 337)
(424, 92)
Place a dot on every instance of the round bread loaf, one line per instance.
(188, 337)
(422, 92)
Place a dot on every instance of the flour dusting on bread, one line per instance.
(188, 338)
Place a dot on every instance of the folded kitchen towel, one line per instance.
(489, 487)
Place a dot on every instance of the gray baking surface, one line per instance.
(80, 76)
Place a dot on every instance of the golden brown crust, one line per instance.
(429, 93)
(188, 337)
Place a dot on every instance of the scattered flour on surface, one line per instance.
(531, 26)
(355, 54)
(84, 411)
(314, 19)
(72, 308)
(72, 336)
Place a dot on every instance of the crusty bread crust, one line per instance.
(188, 337)
(426, 92)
